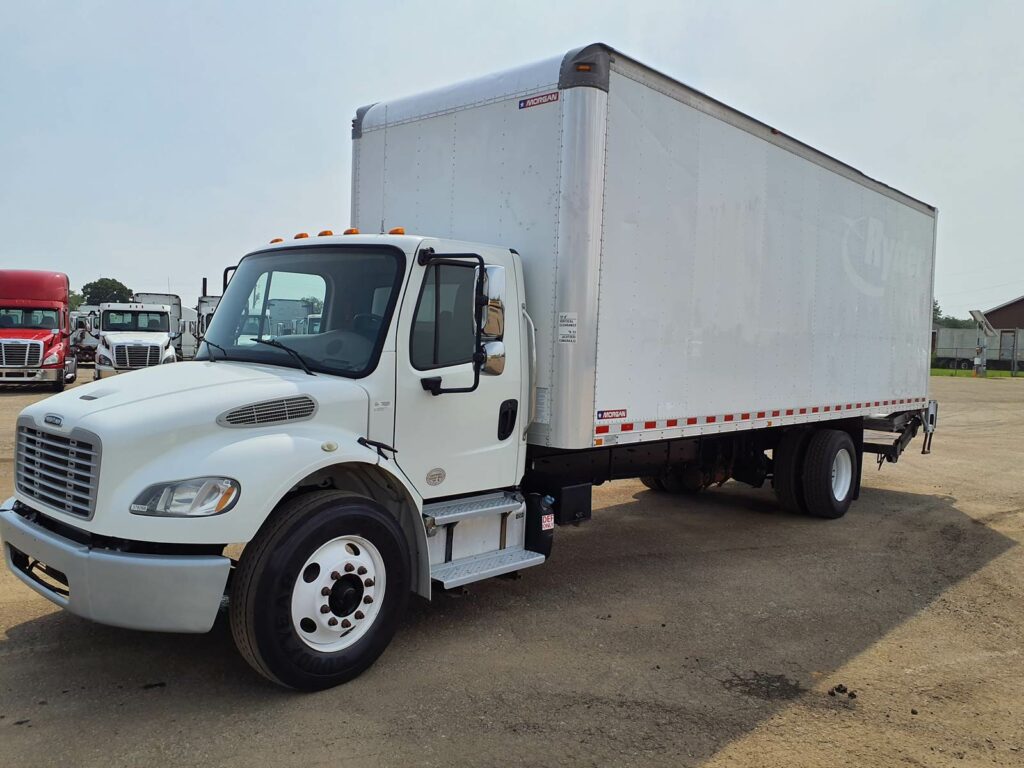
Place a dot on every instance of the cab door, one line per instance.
(458, 415)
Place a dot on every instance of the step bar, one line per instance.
(469, 569)
(444, 513)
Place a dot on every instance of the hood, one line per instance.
(30, 334)
(193, 392)
(136, 337)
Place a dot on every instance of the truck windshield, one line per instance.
(350, 289)
(30, 319)
(122, 320)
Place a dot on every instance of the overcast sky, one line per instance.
(157, 142)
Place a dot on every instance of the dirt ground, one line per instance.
(667, 631)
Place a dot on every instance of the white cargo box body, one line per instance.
(690, 270)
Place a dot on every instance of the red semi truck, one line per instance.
(35, 329)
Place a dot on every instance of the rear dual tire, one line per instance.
(815, 472)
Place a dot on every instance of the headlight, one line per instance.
(197, 497)
(53, 358)
(104, 360)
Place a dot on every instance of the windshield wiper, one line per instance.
(216, 346)
(298, 358)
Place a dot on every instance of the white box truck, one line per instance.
(606, 275)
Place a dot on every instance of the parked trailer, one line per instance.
(35, 326)
(957, 348)
(615, 276)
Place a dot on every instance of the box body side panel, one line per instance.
(738, 277)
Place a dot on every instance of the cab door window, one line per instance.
(444, 326)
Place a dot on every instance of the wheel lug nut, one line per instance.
(345, 623)
(325, 609)
(368, 583)
(332, 621)
(367, 599)
(349, 567)
(335, 575)
(325, 591)
(361, 570)
(359, 615)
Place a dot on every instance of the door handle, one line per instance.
(507, 418)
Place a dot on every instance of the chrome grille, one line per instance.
(136, 355)
(57, 470)
(270, 412)
(20, 354)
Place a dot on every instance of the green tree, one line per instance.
(316, 306)
(936, 312)
(106, 289)
(75, 299)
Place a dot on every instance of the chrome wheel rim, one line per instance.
(338, 593)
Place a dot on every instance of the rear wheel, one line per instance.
(788, 469)
(830, 473)
(652, 482)
(319, 592)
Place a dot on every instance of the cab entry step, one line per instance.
(470, 569)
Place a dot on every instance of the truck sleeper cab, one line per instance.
(132, 336)
(35, 327)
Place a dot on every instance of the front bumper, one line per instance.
(30, 375)
(163, 593)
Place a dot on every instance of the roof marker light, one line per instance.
(325, 233)
(277, 240)
(301, 235)
(397, 231)
(583, 67)
(351, 231)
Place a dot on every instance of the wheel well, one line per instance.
(377, 484)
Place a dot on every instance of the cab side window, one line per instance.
(444, 327)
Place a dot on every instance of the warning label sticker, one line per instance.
(567, 322)
(536, 101)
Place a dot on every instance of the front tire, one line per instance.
(320, 590)
(830, 474)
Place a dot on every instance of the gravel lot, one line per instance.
(667, 631)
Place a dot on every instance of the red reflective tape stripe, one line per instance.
(728, 417)
(775, 413)
(625, 427)
(710, 419)
(745, 416)
(803, 410)
(760, 414)
(692, 420)
(672, 423)
(602, 430)
(848, 406)
(789, 411)
(814, 409)
(828, 408)
(650, 424)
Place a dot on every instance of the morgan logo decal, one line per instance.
(536, 101)
(614, 414)
(54, 419)
(436, 476)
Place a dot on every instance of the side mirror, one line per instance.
(492, 321)
(494, 358)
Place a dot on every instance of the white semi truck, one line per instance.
(606, 274)
(133, 336)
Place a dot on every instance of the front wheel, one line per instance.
(320, 591)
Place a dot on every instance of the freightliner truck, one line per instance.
(35, 327)
(603, 274)
(133, 336)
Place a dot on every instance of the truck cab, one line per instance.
(35, 329)
(133, 336)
